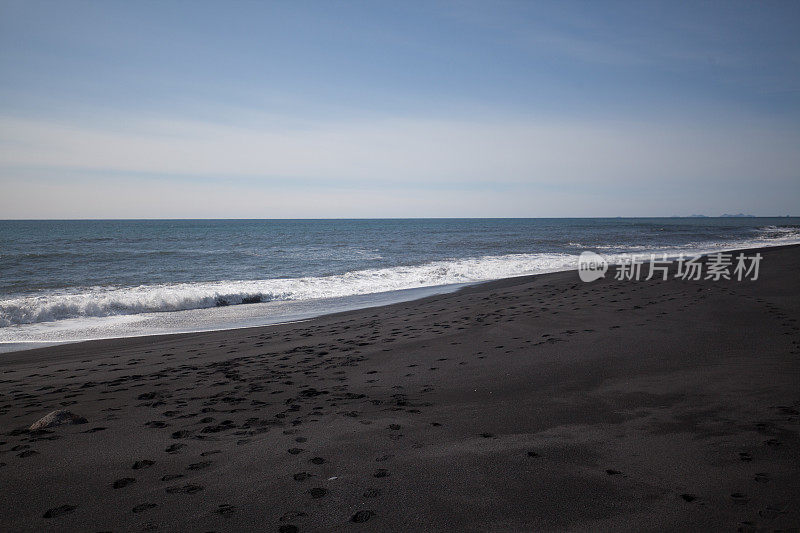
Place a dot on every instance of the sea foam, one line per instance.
(85, 302)
(109, 301)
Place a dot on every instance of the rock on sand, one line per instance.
(57, 418)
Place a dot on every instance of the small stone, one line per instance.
(57, 418)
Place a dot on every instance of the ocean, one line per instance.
(63, 281)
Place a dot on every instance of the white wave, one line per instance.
(765, 236)
(114, 301)
(778, 233)
(105, 301)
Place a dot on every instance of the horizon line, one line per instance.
(383, 218)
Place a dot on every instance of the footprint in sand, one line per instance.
(688, 497)
(212, 452)
(138, 465)
(772, 511)
(60, 510)
(739, 498)
(381, 472)
(199, 466)
(124, 482)
(186, 489)
(225, 509)
(362, 516)
(144, 507)
(318, 492)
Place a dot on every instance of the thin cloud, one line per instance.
(421, 151)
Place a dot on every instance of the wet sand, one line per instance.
(536, 403)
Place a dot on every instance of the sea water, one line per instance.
(76, 280)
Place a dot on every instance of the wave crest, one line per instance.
(111, 301)
(107, 301)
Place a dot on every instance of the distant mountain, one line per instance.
(698, 216)
(739, 215)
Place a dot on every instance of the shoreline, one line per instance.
(380, 300)
(527, 403)
(345, 304)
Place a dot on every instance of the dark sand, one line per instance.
(539, 403)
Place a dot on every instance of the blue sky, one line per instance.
(369, 109)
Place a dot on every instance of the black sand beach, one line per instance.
(537, 403)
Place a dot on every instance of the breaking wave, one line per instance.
(114, 301)
(109, 301)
